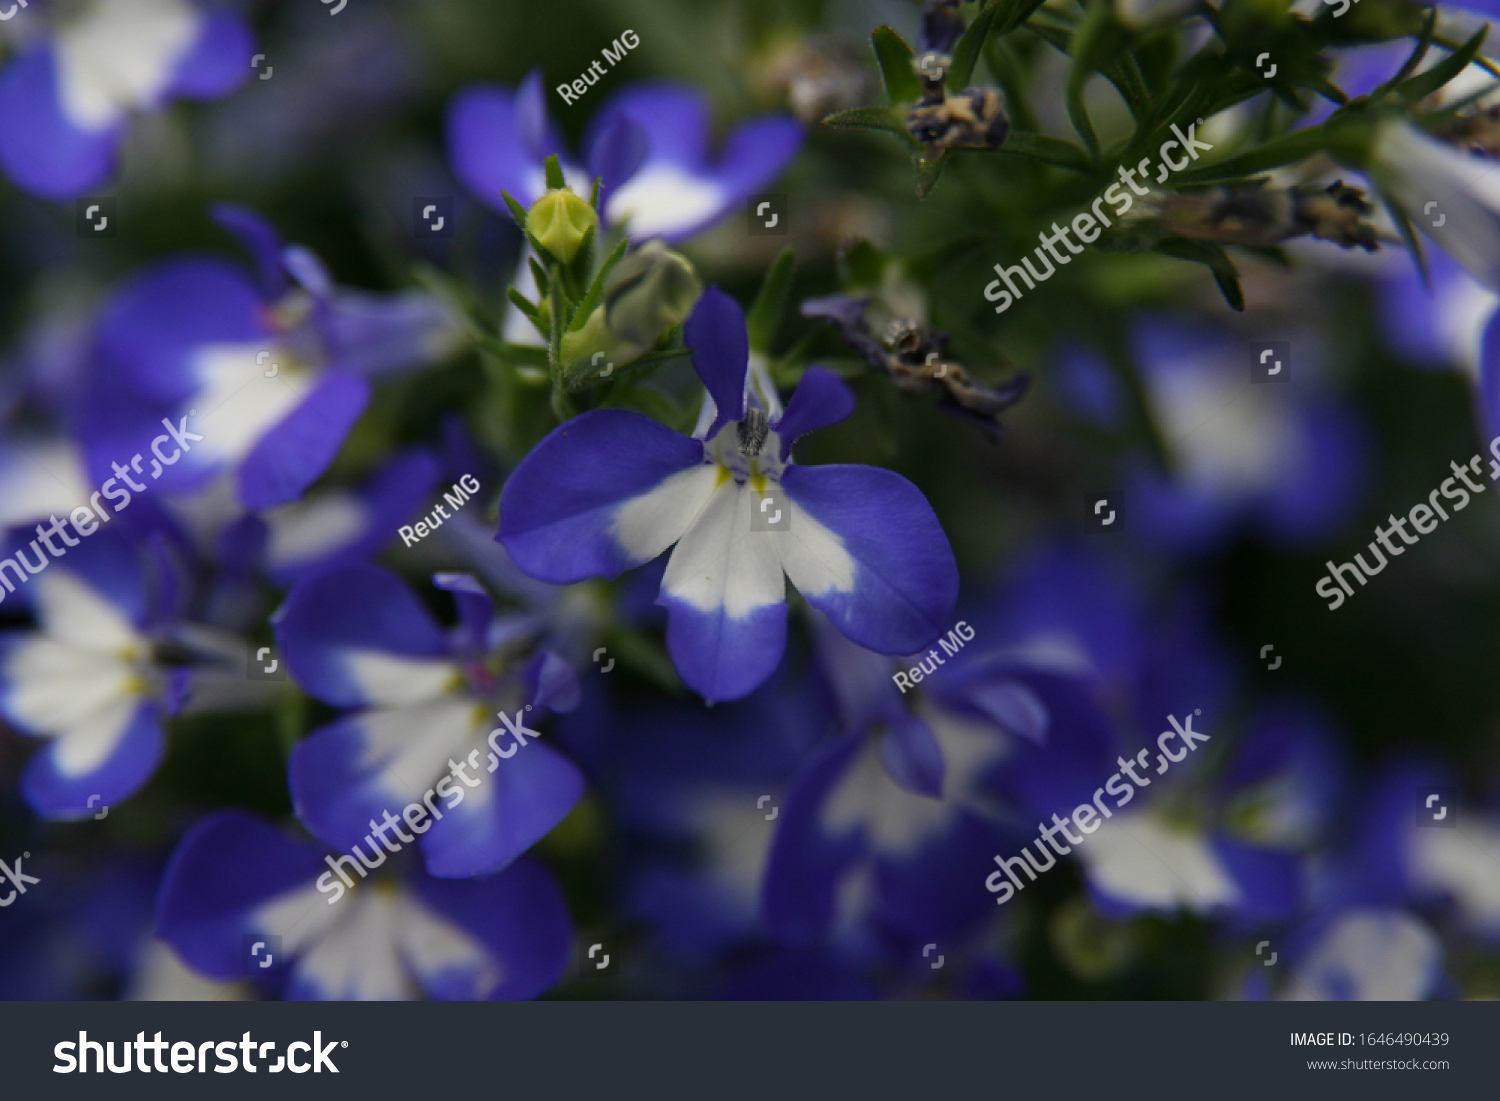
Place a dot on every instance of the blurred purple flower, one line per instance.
(504, 936)
(64, 102)
(356, 638)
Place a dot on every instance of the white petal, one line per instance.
(357, 960)
(1370, 955)
(813, 556)
(390, 681)
(899, 823)
(300, 917)
(237, 404)
(721, 563)
(431, 944)
(646, 525)
(662, 198)
(73, 612)
(54, 688)
(1454, 199)
(120, 55)
(39, 479)
(1140, 860)
(88, 744)
(310, 529)
(1462, 862)
(411, 745)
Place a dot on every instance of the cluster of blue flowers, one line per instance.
(227, 707)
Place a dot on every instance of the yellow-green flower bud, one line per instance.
(649, 292)
(559, 220)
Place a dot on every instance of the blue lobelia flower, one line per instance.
(1174, 840)
(421, 703)
(64, 102)
(87, 680)
(400, 936)
(263, 379)
(887, 825)
(1290, 461)
(648, 145)
(613, 489)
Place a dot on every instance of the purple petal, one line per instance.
(805, 864)
(721, 353)
(54, 793)
(223, 869)
(512, 809)
(289, 457)
(475, 608)
(155, 324)
(722, 657)
(219, 61)
(912, 757)
(616, 152)
(42, 151)
(821, 399)
(558, 508)
(519, 915)
(756, 153)
(351, 608)
(673, 117)
(538, 136)
(260, 239)
(905, 581)
(551, 684)
(486, 150)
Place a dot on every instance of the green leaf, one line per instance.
(1078, 114)
(766, 313)
(872, 118)
(1214, 258)
(895, 57)
(555, 178)
(543, 284)
(515, 354)
(1049, 150)
(966, 52)
(594, 194)
(1424, 43)
(554, 345)
(1408, 235)
(1275, 153)
(595, 292)
(928, 172)
(517, 211)
(1017, 12)
(860, 266)
(522, 303)
(1422, 86)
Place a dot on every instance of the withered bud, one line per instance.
(971, 119)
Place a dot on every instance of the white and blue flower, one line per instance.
(613, 489)
(87, 681)
(271, 376)
(420, 705)
(66, 101)
(399, 936)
